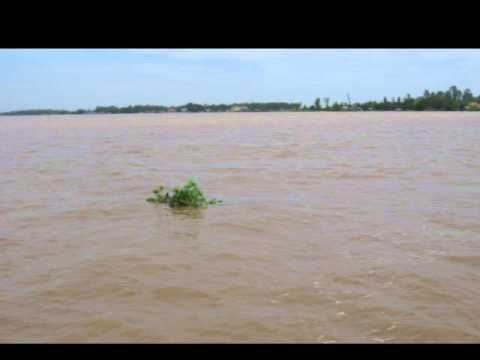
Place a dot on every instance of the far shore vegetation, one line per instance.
(453, 99)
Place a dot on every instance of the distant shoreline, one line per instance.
(452, 99)
(247, 112)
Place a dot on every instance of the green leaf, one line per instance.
(189, 195)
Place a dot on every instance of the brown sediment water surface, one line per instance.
(335, 227)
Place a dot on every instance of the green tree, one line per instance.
(326, 100)
(467, 97)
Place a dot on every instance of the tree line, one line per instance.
(191, 107)
(452, 99)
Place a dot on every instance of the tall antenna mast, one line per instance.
(349, 101)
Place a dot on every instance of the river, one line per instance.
(335, 227)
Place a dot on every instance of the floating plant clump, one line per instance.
(189, 195)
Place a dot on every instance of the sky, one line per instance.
(85, 78)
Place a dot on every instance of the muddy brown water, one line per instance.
(335, 227)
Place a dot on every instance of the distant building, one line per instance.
(183, 109)
(172, 109)
(238, 108)
(474, 106)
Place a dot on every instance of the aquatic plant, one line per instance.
(189, 195)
